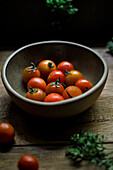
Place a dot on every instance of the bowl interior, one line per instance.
(83, 60)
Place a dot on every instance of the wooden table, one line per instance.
(48, 139)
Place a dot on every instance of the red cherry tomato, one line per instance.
(37, 82)
(54, 87)
(53, 97)
(46, 67)
(55, 75)
(28, 162)
(35, 94)
(84, 84)
(65, 65)
(30, 72)
(7, 133)
(71, 91)
(72, 76)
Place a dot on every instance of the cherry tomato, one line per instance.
(84, 84)
(65, 65)
(71, 91)
(53, 97)
(54, 87)
(72, 76)
(7, 133)
(30, 72)
(28, 162)
(37, 82)
(54, 75)
(35, 94)
(46, 67)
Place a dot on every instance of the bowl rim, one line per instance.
(21, 97)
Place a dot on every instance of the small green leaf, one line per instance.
(109, 45)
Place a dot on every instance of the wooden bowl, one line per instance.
(87, 61)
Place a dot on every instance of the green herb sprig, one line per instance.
(109, 45)
(62, 10)
(64, 6)
(90, 147)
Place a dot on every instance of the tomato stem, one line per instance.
(67, 72)
(56, 83)
(50, 65)
(32, 67)
(31, 90)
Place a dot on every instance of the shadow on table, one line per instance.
(34, 130)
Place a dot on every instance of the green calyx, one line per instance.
(32, 67)
(56, 83)
(67, 72)
(32, 91)
(50, 65)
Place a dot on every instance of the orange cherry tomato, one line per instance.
(53, 97)
(72, 76)
(55, 75)
(35, 94)
(28, 162)
(7, 133)
(30, 72)
(84, 84)
(46, 67)
(65, 65)
(37, 82)
(71, 91)
(54, 87)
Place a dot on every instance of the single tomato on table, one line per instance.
(54, 87)
(37, 82)
(72, 76)
(84, 84)
(55, 75)
(53, 97)
(7, 133)
(30, 72)
(65, 65)
(71, 91)
(35, 94)
(28, 162)
(46, 67)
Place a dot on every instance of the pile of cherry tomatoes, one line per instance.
(48, 82)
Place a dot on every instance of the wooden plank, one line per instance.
(49, 157)
(97, 118)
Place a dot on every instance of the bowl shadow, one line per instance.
(33, 130)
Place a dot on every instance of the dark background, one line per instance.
(28, 21)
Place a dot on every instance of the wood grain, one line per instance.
(47, 139)
(49, 157)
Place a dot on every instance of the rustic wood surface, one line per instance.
(48, 139)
